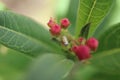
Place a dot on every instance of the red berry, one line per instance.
(51, 22)
(92, 43)
(82, 52)
(55, 30)
(65, 23)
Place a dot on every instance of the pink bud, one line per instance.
(82, 52)
(92, 43)
(65, 23)
(81, 39)
(51, 22)
(75, 49)
(55, 30)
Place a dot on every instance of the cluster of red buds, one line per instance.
(81, 47)
(85, 47)
(55, 28)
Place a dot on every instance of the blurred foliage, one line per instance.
(112, 18)
(61, 8)
(110, 40)
(2, 6)
(12, 64)
(107, 64)
(72, 14)
(68, 8)
(50, 67)
(81, 71)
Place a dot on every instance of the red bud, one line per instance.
(81, 39)
(82, 52)
(75, 49)
(55, 30)
(51, 22)
(65, 23)
(92, 43)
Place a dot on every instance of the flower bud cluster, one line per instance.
(85, 47)
(80, 47)
(55, 28)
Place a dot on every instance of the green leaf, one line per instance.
(13, 59)
(50, 67)
(92, 11)
(103, 76)
(85, 30)
(72, 14)
(110, 39)
(12, 64)
(108, 64)
(9, 73)
(111, 19)
(81, 72)
(20, 42)
(25, 35)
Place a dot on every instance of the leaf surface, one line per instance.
(12, 64)
(50, 67)
(108, 65)
(110, 39)
(92, 11)
(25, 35)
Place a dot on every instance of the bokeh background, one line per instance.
(40, 10)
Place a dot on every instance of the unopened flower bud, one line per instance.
(55, 30)
(81, 39)
(51, 22)
(92, 43)
(75, 49)
(82, 52)
(65, 23)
